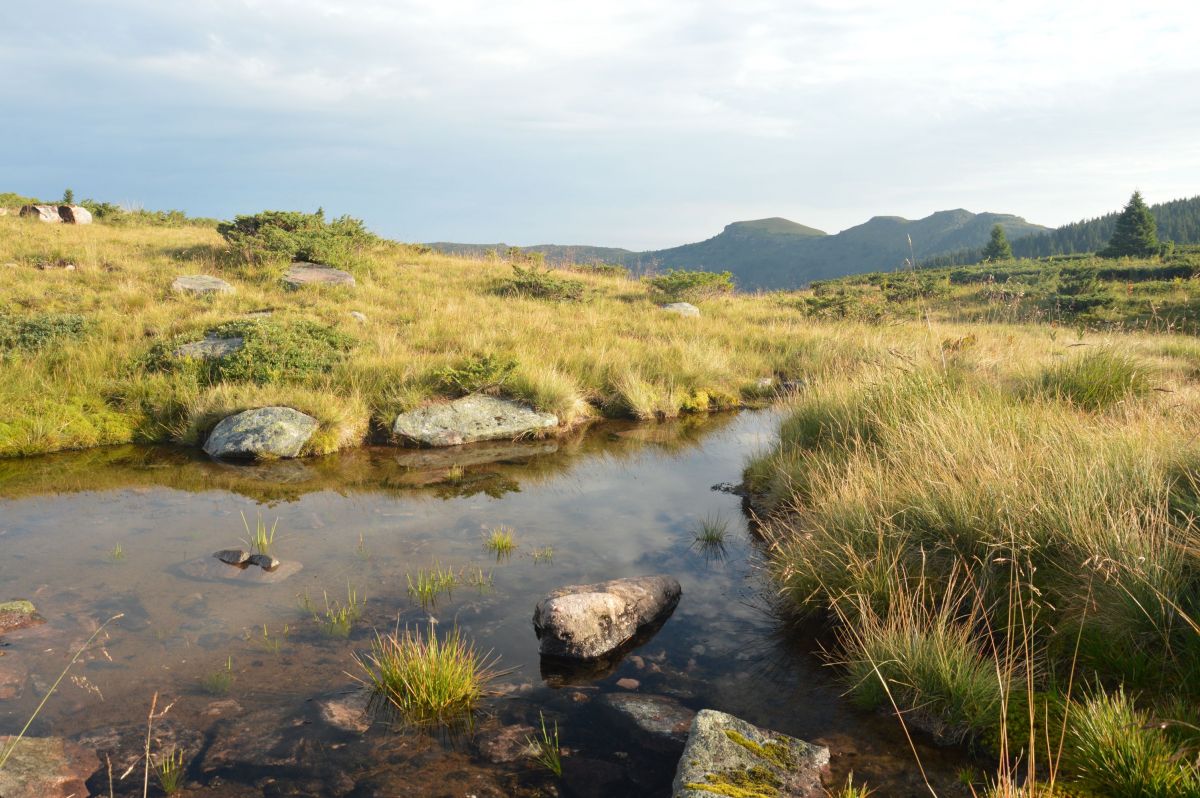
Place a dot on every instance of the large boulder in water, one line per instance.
(267, 433)
(43, 213)
(472, 418)
(724, 754)
(74, 214)
(45, 767)
(583, 622)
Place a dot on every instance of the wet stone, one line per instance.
(233, 556)
(263, 561)
(583, 622)
(658, 721)
(18, 614)
(507, 744)
(124, 746)
(346, 713)
(45, 767)
(13, 676)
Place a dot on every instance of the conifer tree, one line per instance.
(1136, 233)
(998, 248)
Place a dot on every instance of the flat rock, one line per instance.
(43, 213)
(18, 614)
(201, 284)
(507, 744)
(74, 214)
(725, 752)
(682, 308)
(124, 745)
(301, 274)
(266, 433)
(208, 569)
(588, 621)
(266, 738)
(469, 419)
(232, 556)
(347, 713)
(658, 721)
(45, 767)
(211, 348)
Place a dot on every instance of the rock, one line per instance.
(201, 284)
(358, 316)
(124, 746)
(628, 684)
(507, 744)
(12, 678)
(658, 721)
(232, 556)
(52, 265)
(74, 214)
(206, 569)
(301, 274)
(43, 213)
(45, 767)
(211, 348)
(472, 418)
(263, 434)
(17, 614)
(589, 621)
(263, 561)
(682, 308)
(270, 737)
(729, 487)
(725, 753)
(346, 712)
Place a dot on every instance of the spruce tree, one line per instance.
(1136, 233)
(998, 248)
(68, 197)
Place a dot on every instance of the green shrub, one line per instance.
(541, 284)
(34, 333)
(1095, 380)
(297, 236)
(479, 373)
(272, 351)
(602, 269)
(682, 285)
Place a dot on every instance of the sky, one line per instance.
(634, 123)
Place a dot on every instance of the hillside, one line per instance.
(776, 253)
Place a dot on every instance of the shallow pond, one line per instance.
(132, 530)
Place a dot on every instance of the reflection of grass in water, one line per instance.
(426, 679)
(455, 473)
(171, 771)
(361, 549)
(711, 552)
(476, 577)
(429, 584)
(501, 541)
(117, 554)
(261, 539)
(219, 682)
(548, 753)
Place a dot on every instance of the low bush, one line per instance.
(602, 269)
(33, 333)
(681, 285)
(295, 235)
(539, 283)
(479, 373)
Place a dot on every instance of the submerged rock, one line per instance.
(13, 676)
(472, 418)
(17, 614)
(124, 745)
(263, 434)
(45, 767)
(590, 621)
(658, 721)
(301, 274)
(507, 744)
(233, 556)
(211, 348)
(207, 569)
(346, 712)
(201, 284)
(682, 308)
(728, 756)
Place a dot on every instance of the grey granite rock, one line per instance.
(472, 418)
(301, 274)
(201, 284)
(266, 433)
(588, 621)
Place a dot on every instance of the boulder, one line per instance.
(45, 767)
(74, 214)
(583, 622)
(266, 433)
(727, 756)
(358, 316)
(301, 274)
(211, 348)
(657, 721)
(201, 284)
(682, 308)
(472, 418)
(43, 213)
(17, 615)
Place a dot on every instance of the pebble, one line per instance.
(628, 684)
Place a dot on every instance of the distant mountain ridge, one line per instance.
(777, 253)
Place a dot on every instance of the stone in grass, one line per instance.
(728, 756)
(211, 348)
(469, 419)
(17, 614)
(267, 433)
(583, 622)
(201, 284)
(682, 308)
(74, 214)
(43, 213)
(300, 274)
(45, 767)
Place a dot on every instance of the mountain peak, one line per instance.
(775, 225)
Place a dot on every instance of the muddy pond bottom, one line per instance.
(262, 688)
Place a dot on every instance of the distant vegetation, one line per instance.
(111, 213)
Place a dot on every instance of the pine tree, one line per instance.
(1136, 232)
(998, 248)
(68, 197)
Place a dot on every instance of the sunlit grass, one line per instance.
(501, 541)
(548, 752)
(712, 530)
(429, 583)
(171, 771)
(219, 682)
(260, 539)
(544, 554)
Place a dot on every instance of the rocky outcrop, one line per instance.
(267, 433)
(656, 721)
(682, 308)
(17, 614)
(472, 418)
(74, 214)
(728, 756)
(45, 767)
(583, 622)
(201, 284)
(301, 274)
(211, 348)
(43, 213)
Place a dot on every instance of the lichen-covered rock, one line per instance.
(266, 433)
(301, 274)
(43, 213)
(472, 418)
(682, 308)
(588, 621)
(45, 767)
(728, 756)
(201, 284)
(657, 721)
(17, 614)
(74, 214)
(211, 348)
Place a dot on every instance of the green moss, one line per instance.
(20, 606)
(755, 782)
(774, 751)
